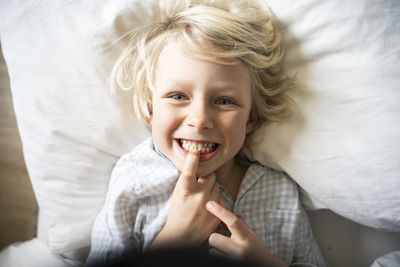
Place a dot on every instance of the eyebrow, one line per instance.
(217, 86)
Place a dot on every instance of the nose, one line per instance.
(200, 116)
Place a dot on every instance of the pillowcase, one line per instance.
(59, 56)
(343, 147)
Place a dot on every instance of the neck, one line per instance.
(230, 176)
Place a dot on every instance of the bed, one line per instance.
(342, 148)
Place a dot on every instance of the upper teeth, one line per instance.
(202, 147)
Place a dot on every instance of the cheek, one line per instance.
(235, 127)
(162, 125)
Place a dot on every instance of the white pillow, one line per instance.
(59, 56)
(343, 150)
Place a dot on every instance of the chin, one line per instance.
(202, 172)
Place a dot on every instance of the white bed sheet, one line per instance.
(33, 253)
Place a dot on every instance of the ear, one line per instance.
(252, 123)
(149, 119)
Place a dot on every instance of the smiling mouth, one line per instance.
(197, 146)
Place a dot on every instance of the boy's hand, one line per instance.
(244, 244)
(189, 223)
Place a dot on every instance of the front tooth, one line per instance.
(193, 147)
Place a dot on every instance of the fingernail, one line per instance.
(210, 205)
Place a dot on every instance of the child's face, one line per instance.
(200, 103)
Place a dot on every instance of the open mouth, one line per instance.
(197, 146)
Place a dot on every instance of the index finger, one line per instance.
(188, 175)
(234, 223)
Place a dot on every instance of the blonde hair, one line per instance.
(217, 31)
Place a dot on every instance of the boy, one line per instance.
(204, 78)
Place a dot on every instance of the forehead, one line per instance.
(174, 64)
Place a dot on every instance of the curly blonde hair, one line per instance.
(220, 31)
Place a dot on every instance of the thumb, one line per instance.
(235, 225)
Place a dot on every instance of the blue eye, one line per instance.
(178, 97)
(224, 101)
